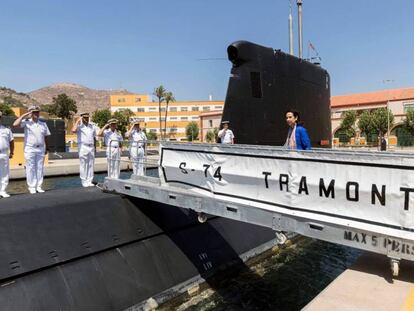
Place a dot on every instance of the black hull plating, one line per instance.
(87, 250)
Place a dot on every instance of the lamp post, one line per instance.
(387, 81)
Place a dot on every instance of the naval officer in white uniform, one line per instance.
(226, 135)
(35, 147)
(113, 141)
(6, 153)
(137, 140)
(86, 134)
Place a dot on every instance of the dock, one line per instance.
(368, 285)
(66, 167)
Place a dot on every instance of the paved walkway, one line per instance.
(367, 286)
(71, 167)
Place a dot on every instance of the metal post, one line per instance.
(290, 29)
(299, 4)
(388, 119)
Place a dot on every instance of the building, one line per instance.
(208, 122)
(179, 113)
(397, 100)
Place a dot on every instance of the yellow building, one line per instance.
(178, 116)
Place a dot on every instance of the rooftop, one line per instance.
(372, 97)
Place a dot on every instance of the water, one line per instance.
(286, 281)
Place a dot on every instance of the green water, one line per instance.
(286, 281)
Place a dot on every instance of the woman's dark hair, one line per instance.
(296, 115)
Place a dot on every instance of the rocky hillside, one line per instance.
(86, 99)
(15, 99)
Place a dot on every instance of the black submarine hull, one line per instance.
(84, 249)
(264, 83)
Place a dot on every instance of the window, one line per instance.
(121, 100)
(184, 108)
(408, 106)
(153, 130)
(210, 123)
(140, 119)
(137, 99)
(153, 119)
(195, 108)
(173, 109)
(194, 118)
(206, 108)
(218, 107)
(173, 130)
(162, 118)
(152, 109)
(184, 118)
(162, 109)
(173, 118)
(140, 109)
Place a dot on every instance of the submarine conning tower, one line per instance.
(263, 84)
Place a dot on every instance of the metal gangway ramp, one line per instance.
(359, 199)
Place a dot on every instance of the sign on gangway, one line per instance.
(359, 199)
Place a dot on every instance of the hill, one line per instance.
(14, 98)
(86, 99)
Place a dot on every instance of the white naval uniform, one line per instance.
(113, 152)
(86, 148)
(6, 137)
(228, 136)
(34, 151)
(136, 150)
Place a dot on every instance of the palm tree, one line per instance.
(160, 92)
(169, 97)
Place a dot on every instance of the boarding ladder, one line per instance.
(360, 199)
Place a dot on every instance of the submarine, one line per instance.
(87, 249)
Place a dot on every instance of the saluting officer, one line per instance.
(226, 135)
(86, 134)
(137, 140)
(113, 141)
(6, 153)
(35, 147)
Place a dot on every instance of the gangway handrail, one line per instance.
(207, 178)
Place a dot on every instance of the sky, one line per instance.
(139, 45)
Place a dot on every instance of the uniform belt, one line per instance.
(35, 146)
(89, 145)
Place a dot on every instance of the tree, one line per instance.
(169, 97)
(6, 110)
(365, 123)
(380, 121)
(160, 93)
(210, 137)
(49, 108)
(101, 117)
(409, 121)
(347, 127)
(12, 102)
(64, 107)
(215, 131)
(191, 131)
(123, 116)
(150, 135)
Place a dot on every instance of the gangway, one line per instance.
(354, 198)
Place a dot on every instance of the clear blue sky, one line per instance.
(139, 44)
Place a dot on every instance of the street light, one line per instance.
(388, 107)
